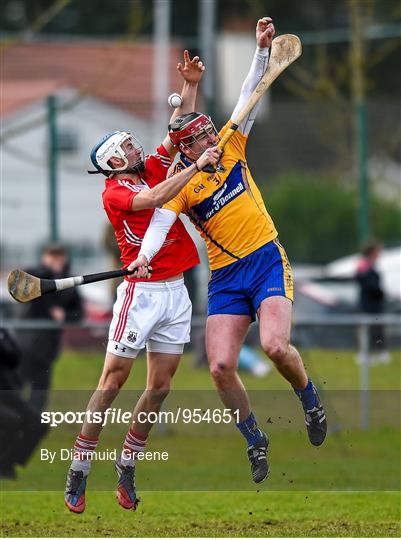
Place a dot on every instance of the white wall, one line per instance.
(234, 57)
(24, 178)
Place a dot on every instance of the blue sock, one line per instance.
(249, 429)
(307, 396)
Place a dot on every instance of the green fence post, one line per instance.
(363, 173)
(52, 164)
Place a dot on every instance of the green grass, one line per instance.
(333, 370)
(224, 514)
(348, 461)
(300, 498)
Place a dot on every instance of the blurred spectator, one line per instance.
(250, 360)
(372, 297)
(40, 348)
(20, 426)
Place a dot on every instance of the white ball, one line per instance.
(175, 100)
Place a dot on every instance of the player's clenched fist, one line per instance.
(264, 32)
(141, 266)
(211, 156)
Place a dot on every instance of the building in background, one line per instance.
(99, 87)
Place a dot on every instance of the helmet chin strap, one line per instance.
(135, 169)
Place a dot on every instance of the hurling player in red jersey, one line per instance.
(154, 313)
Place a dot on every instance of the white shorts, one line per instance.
(156, 315)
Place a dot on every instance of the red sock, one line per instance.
(134, 443)
(83, 448)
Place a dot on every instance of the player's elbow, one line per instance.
(162, 196)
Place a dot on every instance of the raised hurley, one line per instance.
(285, 50)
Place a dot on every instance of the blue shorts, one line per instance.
(239, 288)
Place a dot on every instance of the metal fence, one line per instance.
(361, 323)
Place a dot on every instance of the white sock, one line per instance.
(127, 462)
(83, 448)
(83, 465)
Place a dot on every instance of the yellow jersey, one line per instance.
(226, 206)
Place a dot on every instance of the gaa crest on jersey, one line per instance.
(220, 168)
(178, 168)
(132, 336)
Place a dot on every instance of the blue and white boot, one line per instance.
(315, 417)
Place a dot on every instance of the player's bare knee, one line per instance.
(159, 381)
(158, 390)
(221, 372)
(276, 349)
(109, 386)
(112, 380)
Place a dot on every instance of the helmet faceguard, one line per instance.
(121, 145)
(190, 128)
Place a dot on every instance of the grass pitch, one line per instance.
(276, 508)
(223, 514)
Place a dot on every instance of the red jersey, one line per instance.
(178, 252)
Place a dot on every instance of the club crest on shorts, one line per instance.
(132, 336)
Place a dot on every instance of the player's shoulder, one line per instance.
(121, 187)
(237, 135)
(109, 187)
(236, 145)
(160, 156)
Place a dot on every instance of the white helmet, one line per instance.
(111, 146)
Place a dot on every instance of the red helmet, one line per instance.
(187, 128)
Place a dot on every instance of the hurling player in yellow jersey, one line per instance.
(250, 273)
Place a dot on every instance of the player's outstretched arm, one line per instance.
(264, 36)
(167, 190)
(191, 71)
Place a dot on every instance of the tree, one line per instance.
(316, 217)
